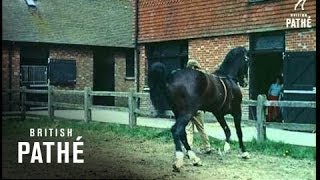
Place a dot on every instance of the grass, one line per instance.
(21, 128)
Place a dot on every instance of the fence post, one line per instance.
(87, 104)
(50, 102)
(261, 119)
(23, 103)
(132, 104)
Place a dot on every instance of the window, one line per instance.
(173, 54)
(267, 41)
(130, 63)
(62, 72)
(33, 74)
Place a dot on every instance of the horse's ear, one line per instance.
(229, 56)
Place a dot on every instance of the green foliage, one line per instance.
(100, 129)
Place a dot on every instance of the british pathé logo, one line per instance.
(299, 20)
(62, 148)
(301, 3)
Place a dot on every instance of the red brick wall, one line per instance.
(122, 83)
(212, 51)
(84, 62)
(301, 40)
(162, 20)
(145, 103)
(142, 67)
(209, 52)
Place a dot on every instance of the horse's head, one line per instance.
(242, 74)
(235, 66)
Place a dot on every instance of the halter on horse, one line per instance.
(186, 91)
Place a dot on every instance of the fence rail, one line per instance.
(261, 123)
(308, 104)
(134, 111)
(109, 93)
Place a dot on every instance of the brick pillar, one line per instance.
(10, 77)
(122, 83)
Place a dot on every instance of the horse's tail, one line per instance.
(157, 77)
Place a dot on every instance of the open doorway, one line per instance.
(265, 68)
(103, 79)
(33, 71)
(266, 51)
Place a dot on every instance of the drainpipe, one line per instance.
(136, 47)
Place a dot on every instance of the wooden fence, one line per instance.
(261, 123)
(261, 103)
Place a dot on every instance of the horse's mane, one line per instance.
(232, 56)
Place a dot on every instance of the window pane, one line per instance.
(62, 72)
(268, 41)
(173, 54)
(130, 63)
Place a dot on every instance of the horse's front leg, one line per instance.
(237, 124)
(226, 130)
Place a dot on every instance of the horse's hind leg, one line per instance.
(226, 130)
(179, 135)
(195, 160)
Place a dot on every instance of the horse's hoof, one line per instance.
(178, 162)
(176, 168)
(226, 147)
(198, 163)
(208, 151)
(245, 155)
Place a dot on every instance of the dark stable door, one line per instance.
(299, 81)
(103, 76)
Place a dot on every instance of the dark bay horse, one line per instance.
(186, 91)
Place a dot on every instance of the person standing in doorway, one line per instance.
(273, 95)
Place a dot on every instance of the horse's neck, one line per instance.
(226, 71)
(222, 74)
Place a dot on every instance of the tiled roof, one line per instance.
(163, 20)
(83, 22)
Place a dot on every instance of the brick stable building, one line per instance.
(84, 44)
(93, 41)
(174, 31)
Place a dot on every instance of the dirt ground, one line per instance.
(116, 157)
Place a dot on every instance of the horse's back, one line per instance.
(222, 95)
(185, 88)
(192, 80)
